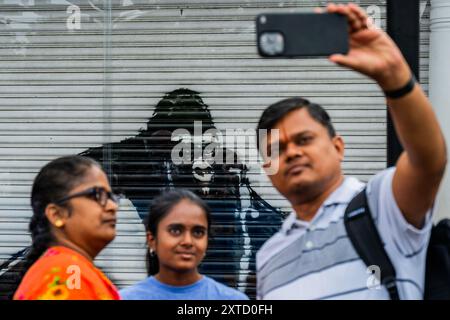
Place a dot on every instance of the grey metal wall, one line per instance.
(425, 7)
(95, 90)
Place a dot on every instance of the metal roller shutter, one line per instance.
(425, 7)
(136, 70)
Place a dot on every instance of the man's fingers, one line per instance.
(318, 10)
(354, 44)
(360, 13)
(358, 10)
(343, 60)
(337, 58)
(335, 8)
(366, 35)
(355, 20)
(331, 7)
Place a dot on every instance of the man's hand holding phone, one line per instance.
(343, 33)
(372, 52)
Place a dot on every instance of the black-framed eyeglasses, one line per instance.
(96, 193)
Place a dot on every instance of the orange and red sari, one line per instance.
(64, 274)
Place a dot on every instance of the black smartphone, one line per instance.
(301, 34)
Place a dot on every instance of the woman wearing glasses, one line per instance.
(74, 218)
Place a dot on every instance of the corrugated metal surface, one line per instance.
(425, 7)
(112, 90)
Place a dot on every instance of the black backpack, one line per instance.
(365, 238)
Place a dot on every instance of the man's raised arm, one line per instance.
(421, 166)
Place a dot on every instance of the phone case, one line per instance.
(301, 34)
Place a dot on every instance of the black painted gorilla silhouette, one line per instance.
(141, 167)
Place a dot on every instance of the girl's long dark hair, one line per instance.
(161, 207)
(53, 182)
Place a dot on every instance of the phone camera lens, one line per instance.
(272, 43)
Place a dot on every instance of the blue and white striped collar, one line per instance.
(342, 195)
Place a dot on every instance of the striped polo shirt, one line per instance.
(316, 260)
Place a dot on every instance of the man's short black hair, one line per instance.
(279, 110)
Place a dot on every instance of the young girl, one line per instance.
(74, 218)
(177, 234)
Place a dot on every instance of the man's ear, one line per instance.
(271, 168)
(263, 152)
(266, 165)
(56, 215)
(270, 164)
(151, 241)
(339, 145)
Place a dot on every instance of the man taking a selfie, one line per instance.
(312, 257)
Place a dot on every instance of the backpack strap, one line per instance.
(437, 275)
(366, 240)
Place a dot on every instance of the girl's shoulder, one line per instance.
(143, 290)
(220, 291)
